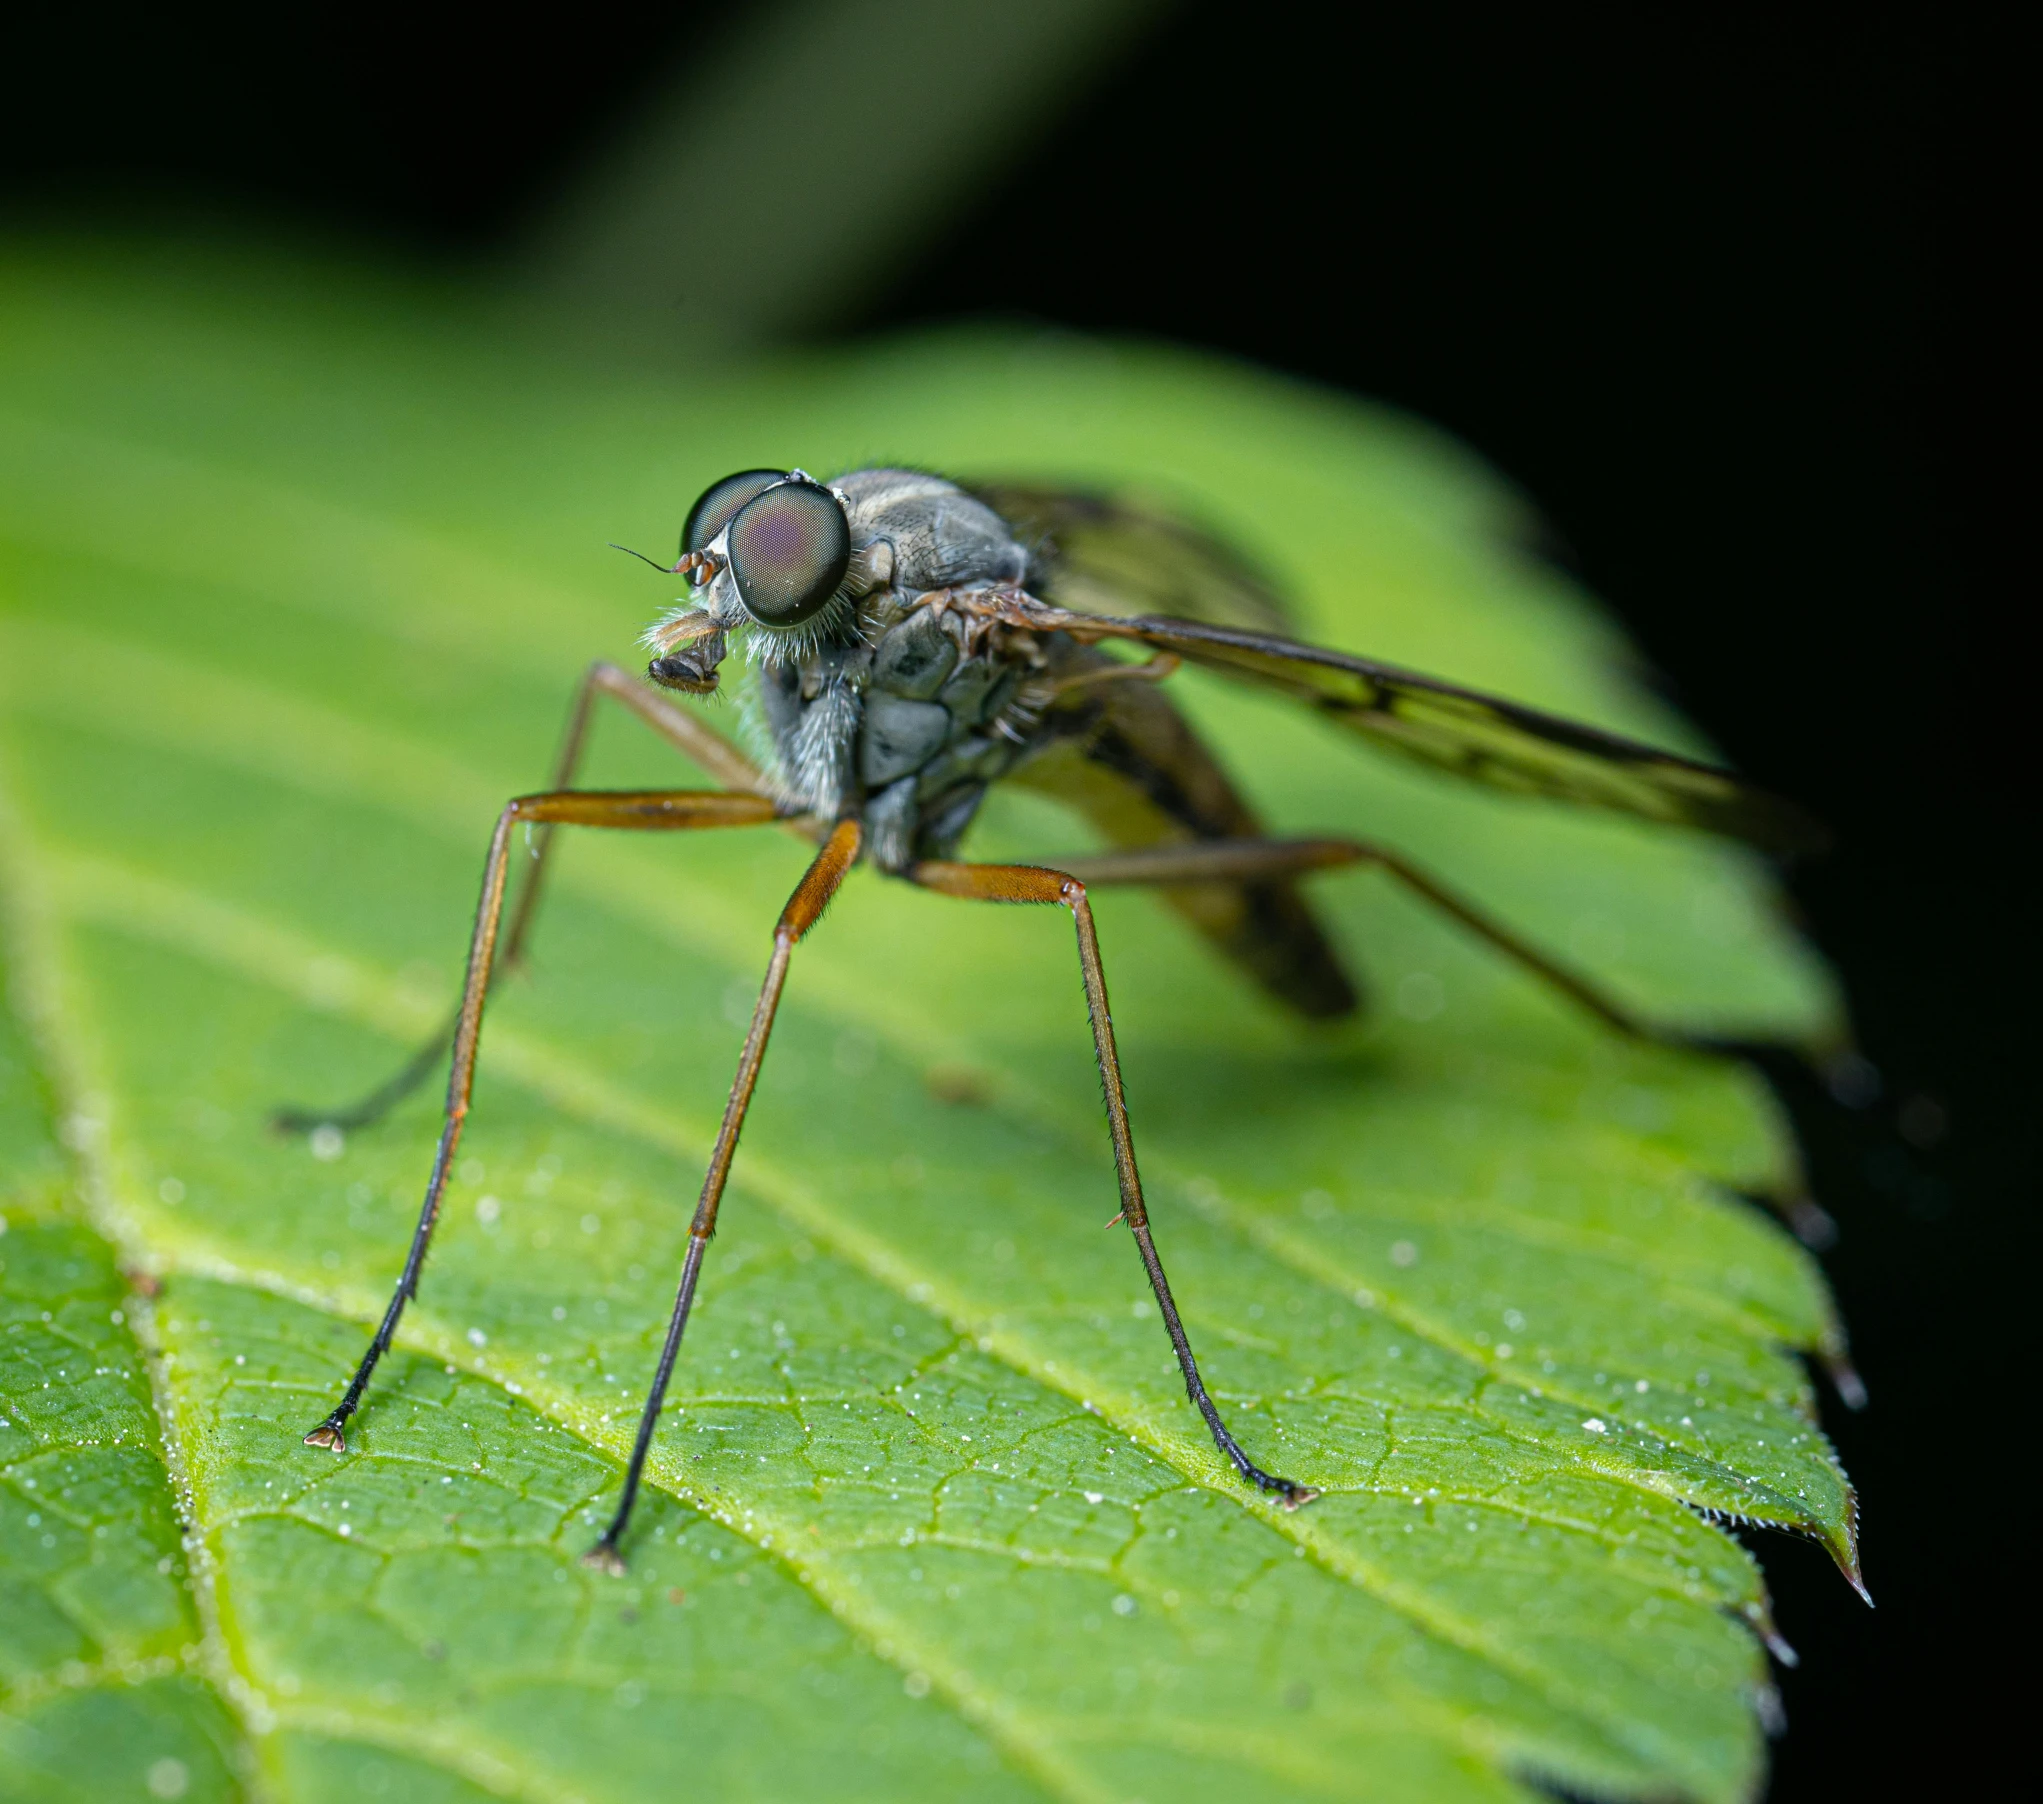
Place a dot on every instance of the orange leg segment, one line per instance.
(1034, 883)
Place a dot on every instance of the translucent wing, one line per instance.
(1124, 555)
(1488, 740)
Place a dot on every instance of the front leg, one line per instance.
(642, 810)
(804, 908)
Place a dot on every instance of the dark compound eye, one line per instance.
(789, 550)
(719, 502)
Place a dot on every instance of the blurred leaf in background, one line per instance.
(299, 559)
(792, 168)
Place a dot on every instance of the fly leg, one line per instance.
(812, 895)
(1236, 860)
(689, 736)
(1032, 883)
(642, 810)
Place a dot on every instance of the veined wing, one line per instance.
(1124, 555)
(1502, 744)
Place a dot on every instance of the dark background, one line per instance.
(1726, 295)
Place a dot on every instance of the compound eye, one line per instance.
(789, 549)
(710, 515)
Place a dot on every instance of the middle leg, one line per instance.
(1033, 883)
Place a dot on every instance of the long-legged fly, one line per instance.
(914, 641)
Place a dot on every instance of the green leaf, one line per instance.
(300, 566)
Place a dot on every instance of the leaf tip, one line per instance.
(1759, 1616)
(1772, 1714)
(1810, 1223)
(1844, 1548)
(1845, 1379)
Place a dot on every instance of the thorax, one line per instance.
(908, 722)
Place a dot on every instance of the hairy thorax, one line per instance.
(908, 713)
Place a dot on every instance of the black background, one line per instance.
(1727, 295)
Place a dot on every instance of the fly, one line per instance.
(913, 641)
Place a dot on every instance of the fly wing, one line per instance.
(1502, 744)
(1122, 554)
(1124, 758)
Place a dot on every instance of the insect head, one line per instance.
(785, 544)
